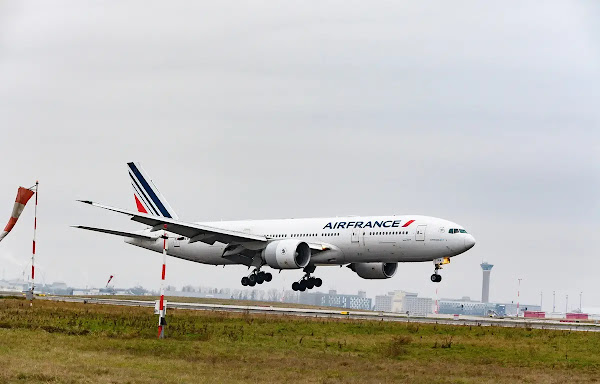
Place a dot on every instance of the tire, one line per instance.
(318, 282)
(260, 279)
(296, 286)
(268, 277)
(310, 283)
(252, 283)
(252, 278)
(434, 278)
(302, 284)
(439, 278)
(245, 281)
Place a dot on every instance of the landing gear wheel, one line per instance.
(260, 278)
(436, 278)
(252, 283)
(252, 279)
(245, 281)
(310, 283)
(296, 286)
(268, 277)
(302, 284)
(318, 282)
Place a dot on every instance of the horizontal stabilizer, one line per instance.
(117, 233)
(193, 231)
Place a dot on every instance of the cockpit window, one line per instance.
(456, 230)
(463, 231)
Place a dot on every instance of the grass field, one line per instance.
(57, 342)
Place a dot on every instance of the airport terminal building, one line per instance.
(466, 306)
(404, 302)
(333, 299)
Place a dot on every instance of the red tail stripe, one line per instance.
(139, 205)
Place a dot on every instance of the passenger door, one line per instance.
(355, 236)
(420, 234)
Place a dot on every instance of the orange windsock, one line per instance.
(23, 196)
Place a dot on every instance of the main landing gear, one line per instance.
(307, 281)
(256, 277)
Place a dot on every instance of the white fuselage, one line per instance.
(409, 238)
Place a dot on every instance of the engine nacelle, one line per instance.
(374, 270)
(286, 254)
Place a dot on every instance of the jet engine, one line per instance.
(286, 254)
(374, 270)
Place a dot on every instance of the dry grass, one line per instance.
(76, 343)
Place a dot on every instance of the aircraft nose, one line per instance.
(469, 242)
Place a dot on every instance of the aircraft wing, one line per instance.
(117, 233)
(195, 232)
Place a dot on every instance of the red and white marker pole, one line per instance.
(161, 306)
(518, 296)
(34, 231)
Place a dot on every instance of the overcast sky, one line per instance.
(484, 114)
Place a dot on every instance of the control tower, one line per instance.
(485, 286)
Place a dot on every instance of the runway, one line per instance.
(347, 314)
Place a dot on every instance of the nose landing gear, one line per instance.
(256, 277)
(436, 277)
(307, 281)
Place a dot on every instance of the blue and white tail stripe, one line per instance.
(146, 193)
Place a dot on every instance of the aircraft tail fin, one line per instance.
(148, 198)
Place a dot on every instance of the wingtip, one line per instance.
(86, 201)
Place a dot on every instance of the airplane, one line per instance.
(371, 246)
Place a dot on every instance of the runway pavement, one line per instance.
(348, 314)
